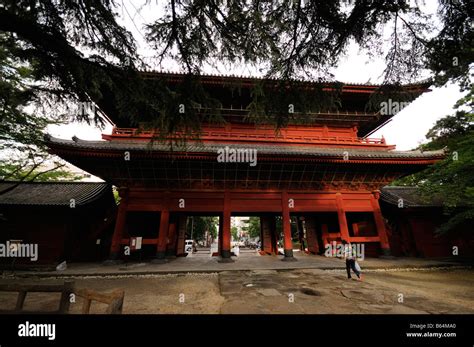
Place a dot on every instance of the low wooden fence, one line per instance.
(114, 300)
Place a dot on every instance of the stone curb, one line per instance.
(125, 273)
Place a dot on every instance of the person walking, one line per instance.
(350, 260)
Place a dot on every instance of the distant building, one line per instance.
(240, 223)
(412, 223)
(70, 221)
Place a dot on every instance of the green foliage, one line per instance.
(18, 129)
(201, 225)
(50, 35)
(450, 53)
(11, 172)
(306, 38)
(41, 66)
(254, 227)
(288, 101)
(77, 51)
(117, 197)
(235, 233)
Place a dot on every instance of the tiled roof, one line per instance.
(190, 147)
(223, 78)
(411, 197)
(51, 193)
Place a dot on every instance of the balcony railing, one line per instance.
(241, 136)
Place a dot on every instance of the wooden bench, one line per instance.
(66, 289)
(114, 300)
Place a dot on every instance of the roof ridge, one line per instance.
(263, 78)
(283, 149)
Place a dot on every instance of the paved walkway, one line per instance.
(246, 261)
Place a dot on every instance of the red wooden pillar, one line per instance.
(267, 236)
(355, 228)
(287, 243)
(172, 240)
(324, 234)
(119, 227)
(221, 231)
(274, 236)
(341, 215)
(162, 237)
(226, 235)
(380, 224)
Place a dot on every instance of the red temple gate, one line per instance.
(326, 168)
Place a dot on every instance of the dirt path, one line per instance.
(270, 291)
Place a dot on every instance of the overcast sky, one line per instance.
(406, 130)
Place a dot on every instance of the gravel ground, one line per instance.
(310, 291)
